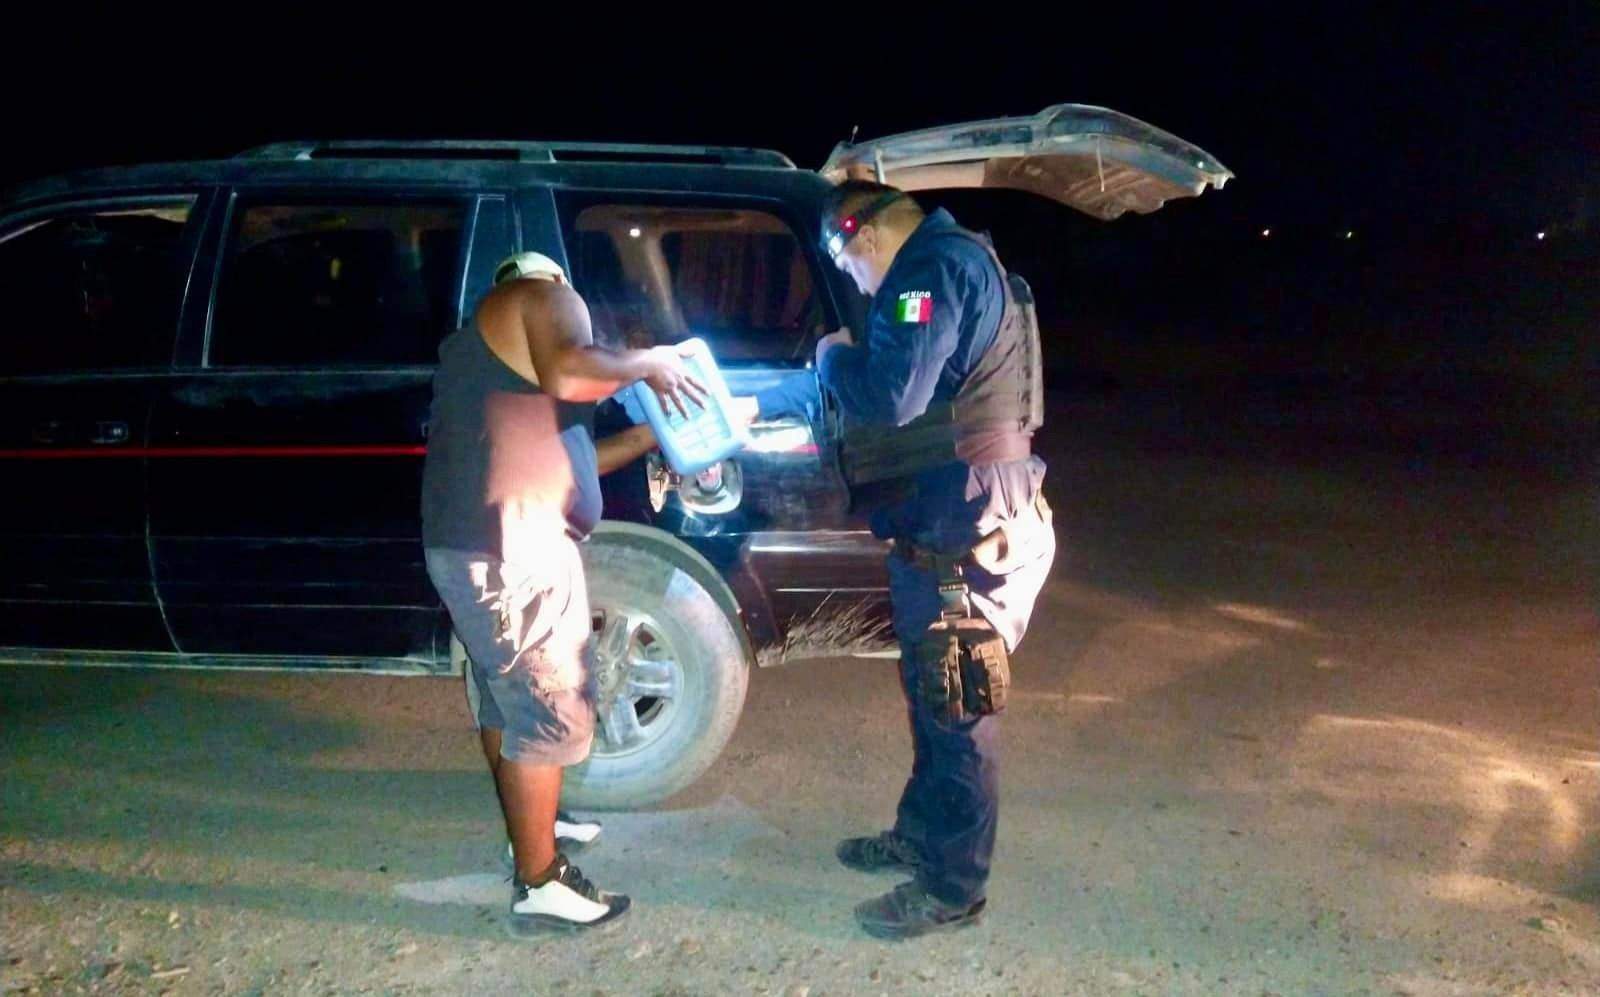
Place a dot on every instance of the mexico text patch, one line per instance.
(914, 306)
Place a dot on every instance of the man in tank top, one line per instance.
(510, 485)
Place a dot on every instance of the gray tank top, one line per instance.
(500, 451)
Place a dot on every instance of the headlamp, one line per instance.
(837, 236)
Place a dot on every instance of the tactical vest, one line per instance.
(992, 417)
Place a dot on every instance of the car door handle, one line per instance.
(109, 433)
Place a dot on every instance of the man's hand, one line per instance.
(671, 382)
(840, 337)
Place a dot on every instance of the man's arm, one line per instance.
(793, 396)
(621, 449)
(911, 332)
(572, 368)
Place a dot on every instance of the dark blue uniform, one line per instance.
(938, 310)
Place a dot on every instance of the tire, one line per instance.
(672, 667)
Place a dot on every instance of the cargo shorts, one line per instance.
(527, 632)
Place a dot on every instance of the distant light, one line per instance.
(1540, 237)
(634, 233)
(1266, 233)
(1349, 235)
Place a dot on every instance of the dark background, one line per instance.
(1444, 142)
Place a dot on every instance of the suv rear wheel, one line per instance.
(672, 673)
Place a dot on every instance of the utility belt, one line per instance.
(961, 667)
(997, 553)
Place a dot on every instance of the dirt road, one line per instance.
(1283, 726)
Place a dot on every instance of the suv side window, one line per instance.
(656, 273)
(336, 282)
(93, 288)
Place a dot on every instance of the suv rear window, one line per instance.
(336, 283)
(660, 273)
(92, 289)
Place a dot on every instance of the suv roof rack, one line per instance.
(523, 152)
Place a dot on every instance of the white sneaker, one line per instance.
(567, 903)
(572, 834)
(572, 830)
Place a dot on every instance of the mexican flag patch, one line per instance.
(914, 306)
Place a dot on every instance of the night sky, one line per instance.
(1366, 119)
(1424, 134)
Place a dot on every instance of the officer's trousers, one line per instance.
(950, 806)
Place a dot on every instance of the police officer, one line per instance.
(949, 366)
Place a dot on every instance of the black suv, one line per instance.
(214, 383)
